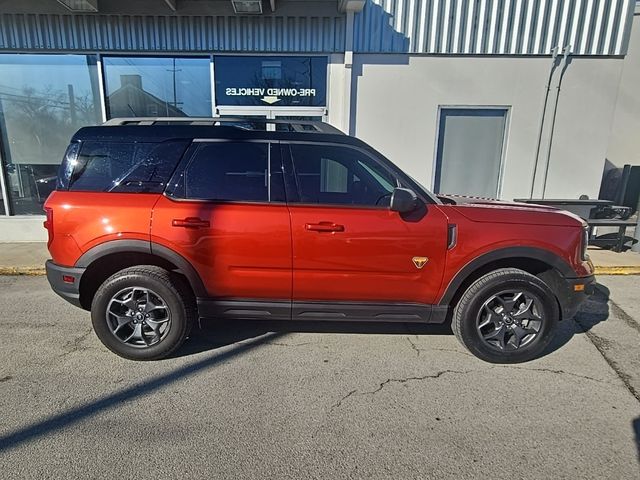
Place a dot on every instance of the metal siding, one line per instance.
(159, 33)
(516, 27)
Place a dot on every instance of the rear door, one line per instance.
(347, 244)
(225, 212)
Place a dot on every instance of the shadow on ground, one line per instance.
(212, 334)
(58, 422)
(241, 337)
(593, 311)
(636, 431)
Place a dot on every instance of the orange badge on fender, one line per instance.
(420, 262)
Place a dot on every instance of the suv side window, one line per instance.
(120, 167)
(335, 175)
(231, 171)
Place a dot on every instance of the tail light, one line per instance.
(48, 224)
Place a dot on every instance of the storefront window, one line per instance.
(157, 87)
(44, 99)
(271, 81)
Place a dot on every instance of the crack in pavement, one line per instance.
(280, 344)
(460, 372)
(413, 346)
(557, 372)
(624, 316)
(602, 345)
(75, 344)
(626, 379)
(410, 379)
(450, 350)
(599, 343)
(395, 380)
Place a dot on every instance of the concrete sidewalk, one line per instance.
(28, 259)
(24, 258)
(608, 262)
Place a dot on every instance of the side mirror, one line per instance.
(403, 200)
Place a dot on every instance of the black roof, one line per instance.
(161, 129)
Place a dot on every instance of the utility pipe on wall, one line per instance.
(554, 65)
(566, 54)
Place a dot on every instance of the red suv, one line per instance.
(155, 223)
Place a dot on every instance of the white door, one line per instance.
(469, 155)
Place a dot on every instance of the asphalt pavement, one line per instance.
(254, 400)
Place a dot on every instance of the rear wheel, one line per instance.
(506, 316)
(142, 313)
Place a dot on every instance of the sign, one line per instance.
(278, 81)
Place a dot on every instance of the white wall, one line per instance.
(624, 143)
(22, 229)
(398, 96)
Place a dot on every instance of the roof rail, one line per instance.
(306, 126)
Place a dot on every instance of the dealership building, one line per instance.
(495, 98)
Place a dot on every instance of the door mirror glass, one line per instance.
(403, 200)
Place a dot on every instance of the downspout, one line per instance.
(350, 8)
(566, 57)
(348, 82)
(554, 65)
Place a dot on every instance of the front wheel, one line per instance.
(506, 316)
(142, 313)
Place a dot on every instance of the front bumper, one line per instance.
(60, 280)
(574, 292)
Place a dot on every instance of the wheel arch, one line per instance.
(542, 263)
(102, 261)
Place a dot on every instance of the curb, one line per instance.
(31, 271)
(621, 270)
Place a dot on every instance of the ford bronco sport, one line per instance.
(158, 222)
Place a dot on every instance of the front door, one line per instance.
(226, 214)
(347, 244)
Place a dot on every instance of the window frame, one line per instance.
(274, 162)
(292, 188)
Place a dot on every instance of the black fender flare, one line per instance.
(151, 248)
(534, 253)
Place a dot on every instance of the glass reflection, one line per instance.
(157, 87)
(44, 99)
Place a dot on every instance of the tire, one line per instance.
(499, 326)
(143, 313)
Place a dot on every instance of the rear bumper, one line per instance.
(575, 291)
(68, 290)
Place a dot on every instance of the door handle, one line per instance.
(190, 222)
(324, 227)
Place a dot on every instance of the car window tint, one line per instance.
(125, 167)
(233, 171)
(336, 175)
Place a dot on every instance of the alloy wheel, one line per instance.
(138, 317)
(510, 320)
